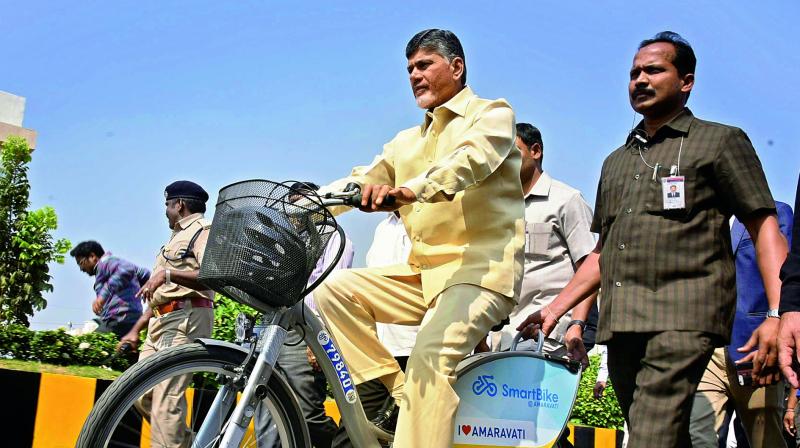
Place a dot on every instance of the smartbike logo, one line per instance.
(537, 397)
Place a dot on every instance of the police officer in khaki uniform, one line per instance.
(182, 309)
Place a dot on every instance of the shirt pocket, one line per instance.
(654, 195)
(175, 254)
(537, 239)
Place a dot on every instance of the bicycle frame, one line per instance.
(362, 433)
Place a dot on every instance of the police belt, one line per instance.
(179, 304)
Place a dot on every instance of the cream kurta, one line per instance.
(465, 150)
(465, 267)
(171, 257)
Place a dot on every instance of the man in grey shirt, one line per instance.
(557, 238)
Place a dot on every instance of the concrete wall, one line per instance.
(12, 109)
(12, 112)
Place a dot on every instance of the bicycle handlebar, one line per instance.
(351, 196)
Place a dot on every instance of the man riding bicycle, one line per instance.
(455, 180)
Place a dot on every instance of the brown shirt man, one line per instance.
(673, 269)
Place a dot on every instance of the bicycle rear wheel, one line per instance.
(196, 416)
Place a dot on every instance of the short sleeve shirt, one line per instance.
(177, 255)
(557, 236)
(674, 269)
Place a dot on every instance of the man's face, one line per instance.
(655, 87)
(173, 212)
(673, 188)
(87, 264)
(434, 80)
(530, 155)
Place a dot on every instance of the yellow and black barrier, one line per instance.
(44, 410)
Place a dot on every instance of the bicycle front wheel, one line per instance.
(183, 396)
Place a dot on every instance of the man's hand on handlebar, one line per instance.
(374, 196)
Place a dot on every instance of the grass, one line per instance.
(35, 366)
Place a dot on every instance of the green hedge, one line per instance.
(602, 413)
(58, 347)
(94, 349)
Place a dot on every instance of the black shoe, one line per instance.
(386, 419)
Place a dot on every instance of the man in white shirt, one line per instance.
(557, 238)
(391, 246)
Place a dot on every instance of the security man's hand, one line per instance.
(765, 358)
(789, 345)
(312, 360)
(543, 320)
(156, 280)
(97, 305)
(374, 195)
(599, 388)
(132, 339)
(575, 348)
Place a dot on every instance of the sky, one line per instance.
(127, 96)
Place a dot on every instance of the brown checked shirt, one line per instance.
(674, 269)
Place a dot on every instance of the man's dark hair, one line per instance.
(685, 60)
(193, 205)
(443, 42)
(529, 135)
(86, 248)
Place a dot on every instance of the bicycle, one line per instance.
(264, 241)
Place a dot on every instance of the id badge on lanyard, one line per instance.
(673, 192)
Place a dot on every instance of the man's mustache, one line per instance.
(648, 92)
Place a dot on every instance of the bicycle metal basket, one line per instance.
(265, 241)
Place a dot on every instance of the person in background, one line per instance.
(181, 306)
(790, 419)
(789, 336)
(299, 365)
(116, 282)
(557, 239)
(602, 373)
(758, 408)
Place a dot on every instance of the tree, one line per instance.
(26, 242)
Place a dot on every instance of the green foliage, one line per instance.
(602, 413)
(225, 312)
(58, 347)
(15, 341)
(95, 349)
(26, 241)
(53, 346)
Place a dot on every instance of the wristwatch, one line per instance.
(577, 322)
(773, 313)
